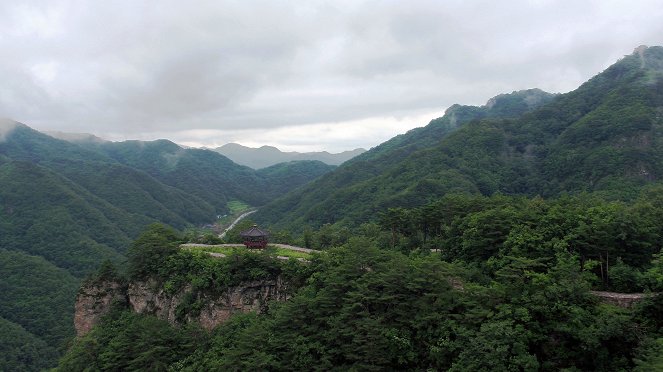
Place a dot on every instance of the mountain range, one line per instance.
(66, 207)
(266, 156)
(603, 137)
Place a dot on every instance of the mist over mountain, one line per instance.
(266, 156)
(603, 137)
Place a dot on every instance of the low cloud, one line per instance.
(134, 69)
(7, 126)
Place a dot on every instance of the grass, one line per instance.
(287, 253)
(237, 206)
(272, 251)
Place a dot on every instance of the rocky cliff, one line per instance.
(94, 300)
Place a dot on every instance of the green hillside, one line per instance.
(209, 175)
(517, 306)
(485, 241)
(66, 207)
(36, 306)
(603, 137)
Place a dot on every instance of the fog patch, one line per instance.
(7, 126)
(172, 159)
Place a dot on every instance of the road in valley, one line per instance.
(241, 217)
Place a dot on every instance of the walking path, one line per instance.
(276, 245)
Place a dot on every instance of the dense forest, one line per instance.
(464, 283)
(66, 207)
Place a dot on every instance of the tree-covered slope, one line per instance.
(128, 188)
(23, 351)
(364, 306)
(336, 194)
(70, 206)
(36, 303)
(283, 177)
(207, 174)
(47, 215)
(604, 136)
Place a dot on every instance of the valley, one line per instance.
(493, 238)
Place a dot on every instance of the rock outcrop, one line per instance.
(184, 305)
(624, 300)
(94, 300)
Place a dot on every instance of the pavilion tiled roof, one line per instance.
(254, 231)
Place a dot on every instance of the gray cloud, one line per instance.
(130, 69)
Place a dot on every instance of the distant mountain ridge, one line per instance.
(266, 156)
(604, 137)
(367, 177)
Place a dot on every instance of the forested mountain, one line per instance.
(266, 156)
(493, 235)
(66, 207)
(508, 291)
(603, 137)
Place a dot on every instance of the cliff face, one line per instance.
(94, 301)
(147, 297)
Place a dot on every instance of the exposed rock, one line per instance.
(625, 300)
(94, 301)
(148, 297)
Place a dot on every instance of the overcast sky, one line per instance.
(300, 75)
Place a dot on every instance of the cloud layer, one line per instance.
(303, 75)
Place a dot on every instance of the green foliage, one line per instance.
(79, 204)
(107, 272)
(604, 137)
(654, 276)
(650, 356)
(38, 297)
(126, 341)
(620, 238)
(368, 307)
(210, 274)
(150, 251)
(22, 351)
(237, 206)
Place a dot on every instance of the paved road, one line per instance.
(241, 217)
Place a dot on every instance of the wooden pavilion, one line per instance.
(254, 237)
